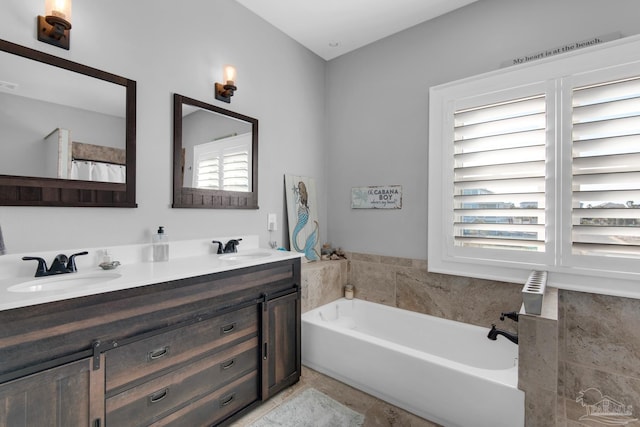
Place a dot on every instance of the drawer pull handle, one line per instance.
(228, 328)
(227, 364)
(227, 400)
(157, 354)
(158, 396)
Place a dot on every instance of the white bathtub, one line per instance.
(445, 371)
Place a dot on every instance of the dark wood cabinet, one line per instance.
(129, 364)
(198, 352)
(181, 384)
(281, 343)
(216, 407)
(68, 395)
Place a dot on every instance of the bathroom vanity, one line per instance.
(194, 351)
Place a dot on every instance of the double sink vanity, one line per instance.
(195, 341)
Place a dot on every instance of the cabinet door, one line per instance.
(281, 343)
(65, 396)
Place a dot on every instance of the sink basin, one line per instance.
(63, 282)
(249, 256)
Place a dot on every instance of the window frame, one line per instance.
(556, 76)
(217, 150)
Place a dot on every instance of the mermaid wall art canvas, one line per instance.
(302, 213)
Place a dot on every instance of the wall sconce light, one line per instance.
(54, 28)
(224, 92)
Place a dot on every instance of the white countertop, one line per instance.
(187, 259)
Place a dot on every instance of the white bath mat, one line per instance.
(311, 409)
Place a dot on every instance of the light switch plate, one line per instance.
(272, 222)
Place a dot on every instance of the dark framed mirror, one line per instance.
(67, 132)
(215, 157)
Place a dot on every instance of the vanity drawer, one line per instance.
(215, 407)
(150, 401)
(132, 362)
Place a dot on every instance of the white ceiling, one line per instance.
(331, 28)
(32, 79)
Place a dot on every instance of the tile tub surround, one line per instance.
(323, 282)
(538, 362)
(406, 283)
(599, 347)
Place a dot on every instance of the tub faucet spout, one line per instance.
(513, 315)
(494, 332)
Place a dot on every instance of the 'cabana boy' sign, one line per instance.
(378, 197)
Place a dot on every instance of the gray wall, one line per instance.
(358, 120)
(378, 103)
(181, 48)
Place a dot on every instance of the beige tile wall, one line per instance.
(599, 348)
(406, 283)
(538, 364)
(323, 282)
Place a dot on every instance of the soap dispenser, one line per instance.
(160, 245)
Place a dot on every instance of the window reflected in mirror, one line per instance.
(215, 157)
(217, 151)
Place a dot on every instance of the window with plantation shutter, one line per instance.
(499, 175)
(223, 164)
(537, 167)
(606, 168)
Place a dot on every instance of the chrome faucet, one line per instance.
(60, 265)
(493, 334)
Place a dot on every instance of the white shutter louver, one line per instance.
(235, 166)
(499, 175)
(224, 164)
(606, 169)
(208, 173)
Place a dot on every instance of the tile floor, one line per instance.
(377, 413)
